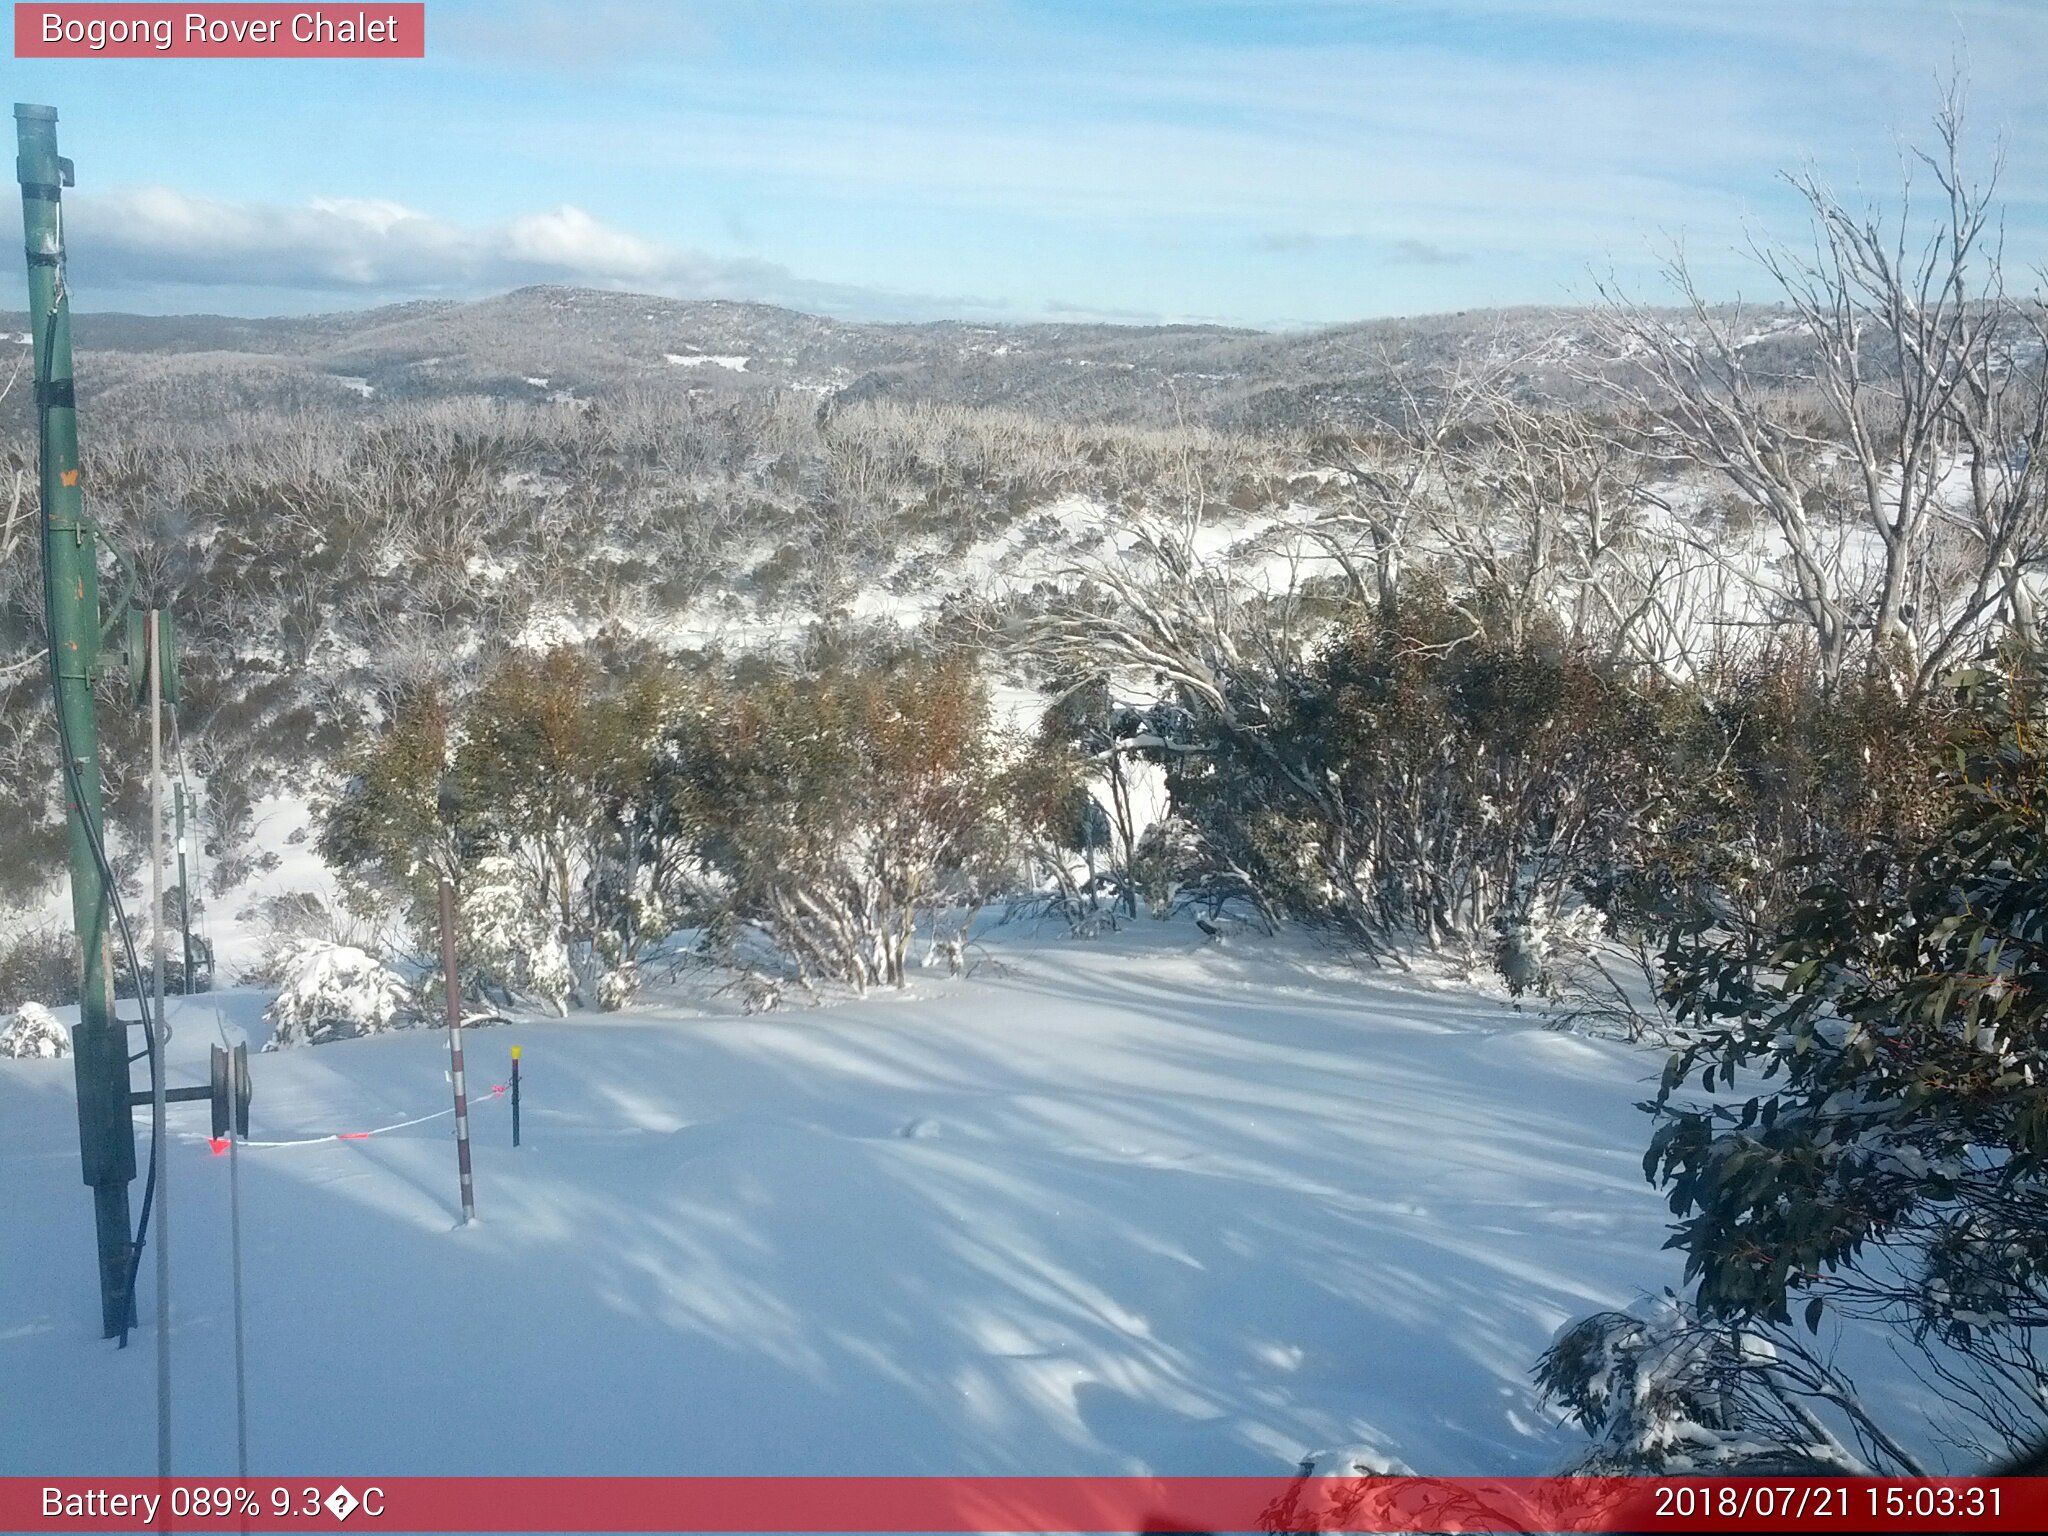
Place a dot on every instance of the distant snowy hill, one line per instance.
(596, 343)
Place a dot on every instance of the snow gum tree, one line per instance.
(841, 802)
(1107, 736)
(388, 833)
(1890, 1157)
(1056, 820)
(1414, 780)
(556, 757)
(1905, 488)
(537, 800)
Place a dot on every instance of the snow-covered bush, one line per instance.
(949, 950)
(759, 993)
(1662, 1390)
(1354, 1461)
(1165, 851)
(618, 976)
(34, 1032)
(649, 911)
(334, 992)
(507, 940)
(618, 987)
(1537, 939)
(288, 921)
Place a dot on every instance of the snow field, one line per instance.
(1136, 1205)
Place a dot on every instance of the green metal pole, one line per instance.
(106, 1130)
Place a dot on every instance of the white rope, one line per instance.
(498, 1091)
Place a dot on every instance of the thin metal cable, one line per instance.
(158, 1106)
(220, 1025)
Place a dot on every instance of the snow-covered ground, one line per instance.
(1133, 1204)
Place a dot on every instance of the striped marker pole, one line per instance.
(455, 1051)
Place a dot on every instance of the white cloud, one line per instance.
(372, 213)
(155, 237)
(570, 239)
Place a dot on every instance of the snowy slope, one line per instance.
(1100, 1208)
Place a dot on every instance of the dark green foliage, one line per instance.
(1770, 783)
(391, 830)
(1892, 1036)
(1418, 779)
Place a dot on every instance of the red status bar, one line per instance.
(1025, 1504)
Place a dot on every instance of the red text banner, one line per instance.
(113, 31)
(1025, 1504)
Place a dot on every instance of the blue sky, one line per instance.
(1265, 162)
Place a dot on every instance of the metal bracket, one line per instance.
(173, 1096)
